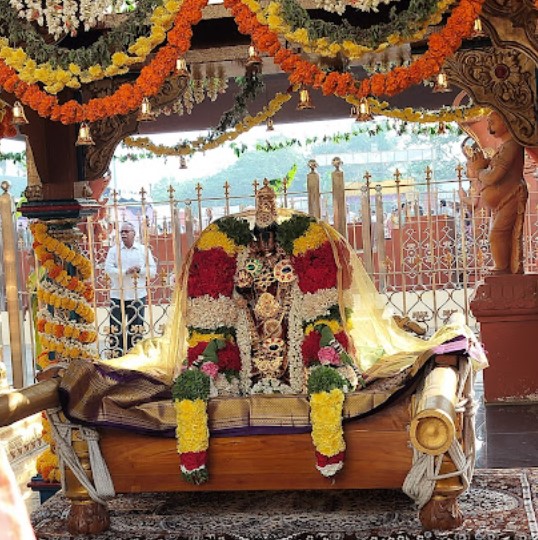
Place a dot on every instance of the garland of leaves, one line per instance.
(404, 24)
(118, 38)
(330, 47)
(56, 79)
(128, 97)
(441, 45)
(208, 143)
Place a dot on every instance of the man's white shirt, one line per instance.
(117, 264)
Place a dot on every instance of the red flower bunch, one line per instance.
(310, 346)
(229, 358)
(211, 272)
(194, 352)
(316, 269)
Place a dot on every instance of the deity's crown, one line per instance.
(266, 211)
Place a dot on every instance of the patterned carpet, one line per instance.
(502, 504)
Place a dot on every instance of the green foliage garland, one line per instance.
(288, 231)
(324, 379)
(18, 31)
(237, 229)
(192, 384)
(404, 24)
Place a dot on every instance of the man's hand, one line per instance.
(133, 270)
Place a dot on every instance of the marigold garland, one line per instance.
(441, 45)
(128, 97)
(56, 79)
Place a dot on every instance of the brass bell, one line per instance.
(304, 100)
(270, 124)
(19, 117)
(364, 113)
(84, 135)
(145, 113)
(441, 83)
(181, 68)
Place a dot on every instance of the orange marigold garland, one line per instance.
(441, 45)
(128, 97)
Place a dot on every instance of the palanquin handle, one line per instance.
(19, 404)
(433, 426)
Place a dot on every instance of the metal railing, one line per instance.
(424, 243)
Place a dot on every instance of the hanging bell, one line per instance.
(364, 113)
(441, 83)
(304, 100)
(441, 128)
(270, 124)
(84, 135)
(353, 112)
(145, 113)
(253, 62)
(478, 29)
(19, 117)
(181, 68)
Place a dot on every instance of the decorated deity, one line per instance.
(266, 314)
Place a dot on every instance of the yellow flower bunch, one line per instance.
(271, 16)
(192, 432)
(213, 237)
(47, 466)
(314, 237)
(326, 417)
(197, 337)
(56, 79)
(333, 324)
(456, 114)
(248, 123)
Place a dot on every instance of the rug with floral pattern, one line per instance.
(502, 504)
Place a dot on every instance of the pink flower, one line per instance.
(210, 368)
(329, 356)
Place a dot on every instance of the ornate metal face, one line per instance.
(265, 206)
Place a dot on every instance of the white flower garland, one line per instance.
(65, 16)
(210, 313)
(317, 304)
(244, 344)
(226, 387)
(270, 385)
(295, 340)
(339, 6)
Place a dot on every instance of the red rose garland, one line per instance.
(211, 272)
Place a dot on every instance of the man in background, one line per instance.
(130, 268)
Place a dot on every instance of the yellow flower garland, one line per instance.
(334, 325)
(192, 432)
(56, 79)
(456, 114)
(271, 17)
(326, 417)
(80, 307)
(248, 123)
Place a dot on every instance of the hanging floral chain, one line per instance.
(290, 20)
(208, 144)
(441, 45)
(128, 97)
(74, 74)
(65, 294)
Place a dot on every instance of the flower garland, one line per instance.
(56, 79)
(127, 36)
(186, 148)
(441, 45)
(64, 16)
(339, 6)
(293, 23)
(64, 293)
(128, 97)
